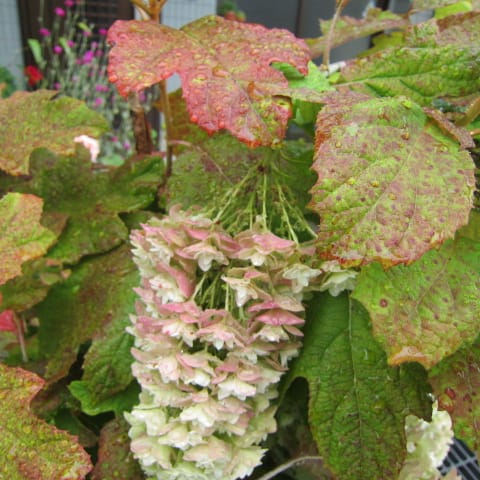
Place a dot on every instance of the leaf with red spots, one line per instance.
(386, 177)
(31, 448)
(427, 310)
(456, 384)
(225, 67)
(23, 238)
(34, 120)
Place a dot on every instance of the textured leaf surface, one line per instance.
(26, 290)
(357, 402)
(440, 58)
(386, 177)
(227, 79)
(96, 294)
(350, 28)
(33, 120)
(106, 366)
(32, 449)
(425, 311)
(456, 384)
(92, 201)
(114, 454)
(22, 236)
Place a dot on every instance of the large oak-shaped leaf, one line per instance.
(31, 448)
(456, 384)
(33, 120)
(91, 200)
(425, 311)
(22, 237)
(98, 294)
(227, 79)
(390, 184)
(441, 58)
(358, 403)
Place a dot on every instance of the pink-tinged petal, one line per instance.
(197, 234)
(278, 316)
(283, 302)
(250, 375)
(293, 330)
(185, 284)
(271, 243)
(180, 307)
(7, 321)
(230, 365)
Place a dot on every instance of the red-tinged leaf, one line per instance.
(114, 454)
(460, 134)
(32, 449)
(227, 79)
(427, 310)
(7, 322)
(50, 123)
(386, 180)
(349, 28)
(456, 384)
(23, 238)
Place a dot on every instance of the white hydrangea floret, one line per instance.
(427, 445)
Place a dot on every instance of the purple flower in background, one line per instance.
(70, 43)
(88, 56)
(102, 31)
(126, 145)
(57, 49)
(69, 3)
(98, 102)
(57, 86)
(87, 33)
(44, 32)
(114, 139)
(101, 88)
(60, 12)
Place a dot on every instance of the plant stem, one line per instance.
(328, 42)
(290, 464)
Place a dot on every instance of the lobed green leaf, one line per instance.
(23, 237)
(358, 403)
(30, 447)
(33, 120)
(386, 177)
(426, 311)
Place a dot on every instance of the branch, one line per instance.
(290, 464)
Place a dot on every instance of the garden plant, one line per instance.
(290, 290)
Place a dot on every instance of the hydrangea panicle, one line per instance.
(217, 321)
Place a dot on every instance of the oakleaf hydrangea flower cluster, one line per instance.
(218, 320)
(427, 445)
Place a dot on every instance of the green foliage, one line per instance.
(23, 237)
(48, 121)
(32, 448)
(382, 181)
(355, 397)
(7, 83)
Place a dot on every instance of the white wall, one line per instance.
(10, 40)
